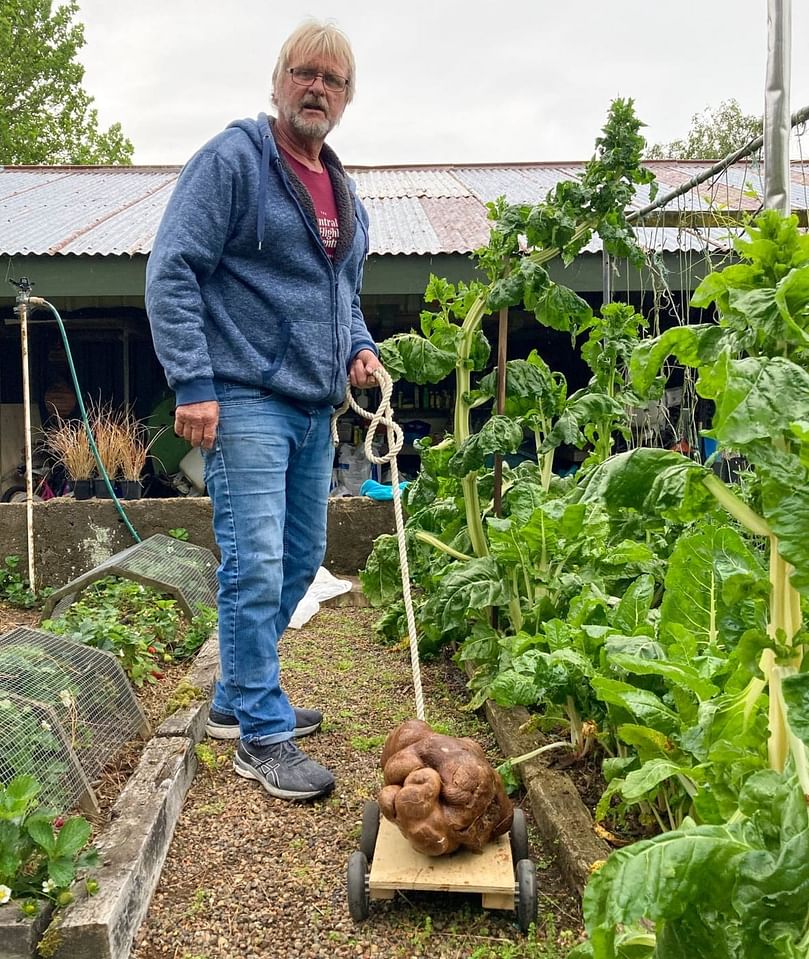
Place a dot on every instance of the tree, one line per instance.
(46, 116)
(714, 135)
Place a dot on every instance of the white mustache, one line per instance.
(318, 103)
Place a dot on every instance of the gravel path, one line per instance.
(254, 877)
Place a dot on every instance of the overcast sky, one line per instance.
(444, 81)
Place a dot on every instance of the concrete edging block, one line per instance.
(563, 819)
(20, 934)
(133, 849)
(190, 719)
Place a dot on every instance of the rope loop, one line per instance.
(395, 436)
(382, 417)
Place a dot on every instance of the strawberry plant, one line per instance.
(41, 852)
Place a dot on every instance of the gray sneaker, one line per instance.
(224, 726)
(283, 770)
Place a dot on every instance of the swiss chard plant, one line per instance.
(459, 551)
(737, 885)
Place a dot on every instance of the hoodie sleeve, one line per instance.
(187, 249)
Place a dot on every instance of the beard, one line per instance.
(315, 128)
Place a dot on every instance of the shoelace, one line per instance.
(286, 752)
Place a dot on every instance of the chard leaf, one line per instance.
(645, 740)
(582, 410)
(560, 308)
(772, 891)
(633, 610)
(641, 782)
(416, 359)
(661, 879)
(530, 387)
(796, 696)
(511, 688)
(757, 398)
(678, 674)
(522, 499)
(499, 434)
(382, 578)
(649, 481)
(787, 512)
(691, 345)
(469, 588)
(643, 705)
(702, 562)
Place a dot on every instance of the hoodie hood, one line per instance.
(260, 132)
(260, 135)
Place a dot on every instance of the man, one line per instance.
(252, 291)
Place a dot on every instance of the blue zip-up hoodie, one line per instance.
(239, 286)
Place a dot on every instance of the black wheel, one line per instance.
(370, 828)
(18, 494)
(519, 838)
(358, 899)
(526, 894)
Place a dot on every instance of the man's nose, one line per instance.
(317, 85)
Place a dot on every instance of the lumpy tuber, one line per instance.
(441, 791)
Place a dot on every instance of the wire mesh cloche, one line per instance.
(65, 710)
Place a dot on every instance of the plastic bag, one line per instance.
(324, 587)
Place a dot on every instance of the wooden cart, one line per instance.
(502, 873)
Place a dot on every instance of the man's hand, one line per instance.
(362, 367)
(197, 422)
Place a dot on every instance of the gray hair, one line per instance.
(315, 38)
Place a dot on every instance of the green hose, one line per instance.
(39, 301)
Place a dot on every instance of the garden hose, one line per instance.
(39, 301)
(395, 438)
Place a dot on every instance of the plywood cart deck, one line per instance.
(502, 873)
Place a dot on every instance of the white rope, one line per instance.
(395, 438)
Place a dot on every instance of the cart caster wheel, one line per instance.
(358, 898)
(519, 838)
(370, 828)
(526, 894)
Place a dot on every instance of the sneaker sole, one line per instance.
(247, 772)
(216, 731)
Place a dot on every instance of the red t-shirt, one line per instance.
(322, 193)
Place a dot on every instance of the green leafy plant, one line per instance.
(138, 624)
(41, 852)
(13, 588)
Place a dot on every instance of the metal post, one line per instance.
(776, 106)
(24, 292)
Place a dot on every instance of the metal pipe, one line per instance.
(776, 106)
(21, 310)
(797, 118)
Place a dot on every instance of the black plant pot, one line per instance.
(100, 490)
(82, 488)
(131, 489)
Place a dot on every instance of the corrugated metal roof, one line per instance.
(413, 210)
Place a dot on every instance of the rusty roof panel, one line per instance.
(413, 210)
(460, 223)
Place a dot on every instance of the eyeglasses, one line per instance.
(306, 76)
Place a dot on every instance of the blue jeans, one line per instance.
(268, 476)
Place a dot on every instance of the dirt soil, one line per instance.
(254, 877)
